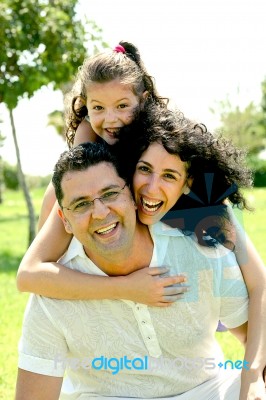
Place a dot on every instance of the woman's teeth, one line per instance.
(149, 205)
(106, 230)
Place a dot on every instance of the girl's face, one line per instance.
(111, 105)
(159, 180)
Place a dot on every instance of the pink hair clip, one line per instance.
(119, 49)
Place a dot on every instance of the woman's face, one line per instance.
(159, 180)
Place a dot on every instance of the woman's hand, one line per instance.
(154, 287)
(252, 387)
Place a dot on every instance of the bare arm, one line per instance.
(31, 386)
(254, 273)
(48, 203)
(84, 133)
(39, 273)
(240, 332)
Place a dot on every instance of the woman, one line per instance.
(174, 159)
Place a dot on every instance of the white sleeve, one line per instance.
(42, 347)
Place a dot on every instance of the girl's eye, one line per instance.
(97, 108)
(122, 106)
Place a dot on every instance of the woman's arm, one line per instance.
(254, 274)
(39, 274)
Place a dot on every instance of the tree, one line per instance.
(263, 102)
(56, 119)
(2, 138)
(42, 42)
(243, 127)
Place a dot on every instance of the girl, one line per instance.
(109, 91)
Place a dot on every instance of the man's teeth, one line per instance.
(149, 205)
(106, 230)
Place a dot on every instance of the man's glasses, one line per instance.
(84, 206)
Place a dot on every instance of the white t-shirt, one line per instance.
(127, 349)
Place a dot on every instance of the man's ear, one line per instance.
(67, 225)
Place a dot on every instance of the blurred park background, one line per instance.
(207, 56)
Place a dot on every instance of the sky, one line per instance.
(199, 51)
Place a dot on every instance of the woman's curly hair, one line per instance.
(217, 168)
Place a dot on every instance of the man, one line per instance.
(120, 348)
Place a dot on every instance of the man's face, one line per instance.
(107, 227)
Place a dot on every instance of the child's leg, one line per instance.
(47, 205)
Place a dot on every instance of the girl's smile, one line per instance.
(111, 105)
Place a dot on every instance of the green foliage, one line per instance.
(243, 127)
(10, 176)
(263, 101)
(258, 167)
(35, 182)
(41, 42)
(56, 120)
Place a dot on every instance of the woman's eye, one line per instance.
(122, 106)
(143, 168)
(169, 176)
(97, 108)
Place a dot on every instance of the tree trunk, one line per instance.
(23, 184)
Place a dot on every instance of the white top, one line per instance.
(169, 343)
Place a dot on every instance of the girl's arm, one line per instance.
(48, 203)
(84, 133)
(254, 273)
(38, 274)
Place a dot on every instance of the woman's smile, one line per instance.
(159, 181)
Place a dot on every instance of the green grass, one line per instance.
(13, 240)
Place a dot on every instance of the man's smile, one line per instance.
(107, 229)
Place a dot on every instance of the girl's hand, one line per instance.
(154, 287)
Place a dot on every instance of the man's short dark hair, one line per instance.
(79, 159)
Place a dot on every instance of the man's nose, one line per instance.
(100, 210)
